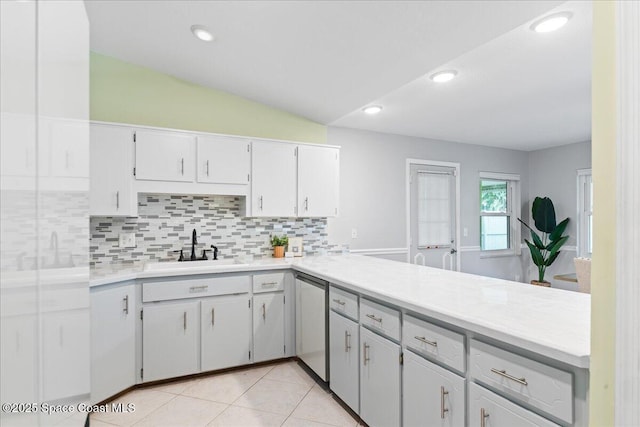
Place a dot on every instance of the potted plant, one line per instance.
(545, 248)
(278, 244)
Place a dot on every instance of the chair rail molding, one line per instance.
(627, 349)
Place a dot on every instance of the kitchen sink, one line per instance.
(206, 264)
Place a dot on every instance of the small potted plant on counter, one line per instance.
(278, 244)
(546, 248)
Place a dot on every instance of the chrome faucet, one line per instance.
(194, 242)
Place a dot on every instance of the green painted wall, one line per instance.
(127, 93)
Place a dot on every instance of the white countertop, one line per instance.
(552, 322)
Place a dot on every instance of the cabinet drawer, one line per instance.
(268, 282)
(547, 388)
(489, 409)
(382, 319)
(343, 302)
(434, 342)
(178, 289)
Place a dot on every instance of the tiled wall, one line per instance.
(165, 224)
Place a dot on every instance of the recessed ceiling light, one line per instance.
(551, 22)
(372, 109)
(202, 33)
(443, 76)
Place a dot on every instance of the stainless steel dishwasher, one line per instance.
(312, 323)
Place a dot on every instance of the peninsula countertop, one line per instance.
(552, 322)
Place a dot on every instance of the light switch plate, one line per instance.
(127, 240)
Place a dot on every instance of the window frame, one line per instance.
(584, 210)
(513, 213)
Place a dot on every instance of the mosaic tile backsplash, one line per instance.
(165, 223)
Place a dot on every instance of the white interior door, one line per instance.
(432, 215)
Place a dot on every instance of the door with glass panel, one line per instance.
(432, 207)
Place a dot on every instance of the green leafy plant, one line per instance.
(279, 241)
(545, 248)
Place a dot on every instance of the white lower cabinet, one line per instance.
(113, 341)
(431, 395)
(343, 359)
(225, 325)
(66, 358)
(268, 326)
(487, 409)
(379, 380)
(170, 338)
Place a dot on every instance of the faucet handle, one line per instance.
(204, 253)
(181, 254)
(215, 252)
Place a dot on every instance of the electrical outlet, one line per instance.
(354, 233)
(465, 232)
(127, 240)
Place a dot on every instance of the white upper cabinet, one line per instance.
(165, 156)
(223, 160)
(318, 171)
(273, 182)
(111, 184)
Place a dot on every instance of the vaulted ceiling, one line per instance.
(326, 60)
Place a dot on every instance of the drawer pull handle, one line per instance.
(503, 373)
(184, 320)
(207, 167)
(347, 341)
(264, 312)
(483, 417)
(337, 301)
(374, 318)
(213, 316)
(365, 354)
(426, 341)
(443, 410)
(202, 288)
(126, 304)
(269, 284)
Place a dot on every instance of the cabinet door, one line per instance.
(113, 341)
(170, 335)
(165, 156)
(268, 326)
(318, 171)
(223, 160)
(343, 359)
(112, 172)
(18, 358)
(66, 358)
(273, 182)
(379, 380)
(69, 148)
(487, 409)
(226, 332)
(431, 395)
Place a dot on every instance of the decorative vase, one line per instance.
(538, 283)
(278, 251)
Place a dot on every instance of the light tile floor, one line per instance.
(274, 395)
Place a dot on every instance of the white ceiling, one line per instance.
(325, 60)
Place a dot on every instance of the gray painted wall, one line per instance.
(372, 193)
(553, 173)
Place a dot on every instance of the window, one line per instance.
(499, 210)
(434, 208)
(585, 213)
